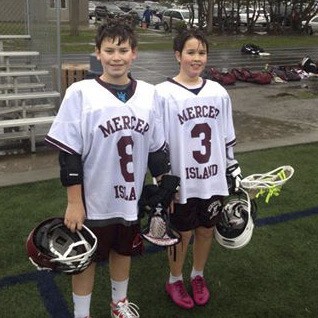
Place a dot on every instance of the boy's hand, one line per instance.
(74, 216)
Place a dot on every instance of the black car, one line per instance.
(108, 11)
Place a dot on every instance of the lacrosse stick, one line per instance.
(158, 230)
(268, 184)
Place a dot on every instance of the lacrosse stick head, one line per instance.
(269, 183)
(159, 231)
(235, 229)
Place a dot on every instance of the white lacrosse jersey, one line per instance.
(113, 138)
(198, 128)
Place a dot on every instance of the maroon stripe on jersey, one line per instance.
(130, 90)
(171, 80)
(231, 143)
(59, 145)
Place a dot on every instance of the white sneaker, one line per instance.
(124, 309)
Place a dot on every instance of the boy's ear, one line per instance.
(135, 52)
(97, 52)
(177, 55)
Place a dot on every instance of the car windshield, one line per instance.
(187, 14)
(113, 7)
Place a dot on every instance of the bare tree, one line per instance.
(209, 17)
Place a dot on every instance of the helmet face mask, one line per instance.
(235, 229)
(52, 246)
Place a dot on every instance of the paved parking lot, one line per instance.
(265, 116)
(155, 67)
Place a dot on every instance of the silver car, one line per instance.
(312, 25)
(259, 16)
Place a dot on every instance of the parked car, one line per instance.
(312, 25)
(108, 10)
(127, 6)
(259, 16)
(137, 13)
(175, 16)
(225, 17)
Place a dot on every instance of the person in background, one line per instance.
(147, 16)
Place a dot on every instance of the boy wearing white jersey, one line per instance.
(105, 129)
(197, 118)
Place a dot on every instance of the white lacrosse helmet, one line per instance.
(52, 246)
(235, 229)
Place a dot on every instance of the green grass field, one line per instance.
(275, 275)
(154, 41)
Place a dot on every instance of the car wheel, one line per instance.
(310, 30)
(166, 27)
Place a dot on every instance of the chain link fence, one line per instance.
(36, 22)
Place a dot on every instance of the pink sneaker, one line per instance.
(201, 294)
(124, 309)
(179, 295)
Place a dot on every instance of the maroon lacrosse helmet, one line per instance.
(52, 246)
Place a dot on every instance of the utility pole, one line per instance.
(74, 17)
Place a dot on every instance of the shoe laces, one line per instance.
(198, 284)
(181, 289)
(127, 310)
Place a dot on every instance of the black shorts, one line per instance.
(117, 237)
(197, 212)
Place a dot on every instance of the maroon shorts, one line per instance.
(117, 237)
(196, 212)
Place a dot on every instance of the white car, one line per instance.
(312, 25)
(259, 16)
(174, 16)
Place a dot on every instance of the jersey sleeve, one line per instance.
(65, 132)
(230, 138)
(158, 139)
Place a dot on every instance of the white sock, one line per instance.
(173, 279)
(119, 290)
(81, 305)
(195, 273)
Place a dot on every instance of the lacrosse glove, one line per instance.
(233, 177)
(167, 188)
(148, 192)
(152, 196)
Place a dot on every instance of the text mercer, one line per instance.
(124, 122)
(196, 112)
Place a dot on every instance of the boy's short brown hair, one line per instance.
(185, 35)
(116, 29)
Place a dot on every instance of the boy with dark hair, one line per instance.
(198, 124)
(105, 130)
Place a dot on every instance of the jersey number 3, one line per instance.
(205, 129)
